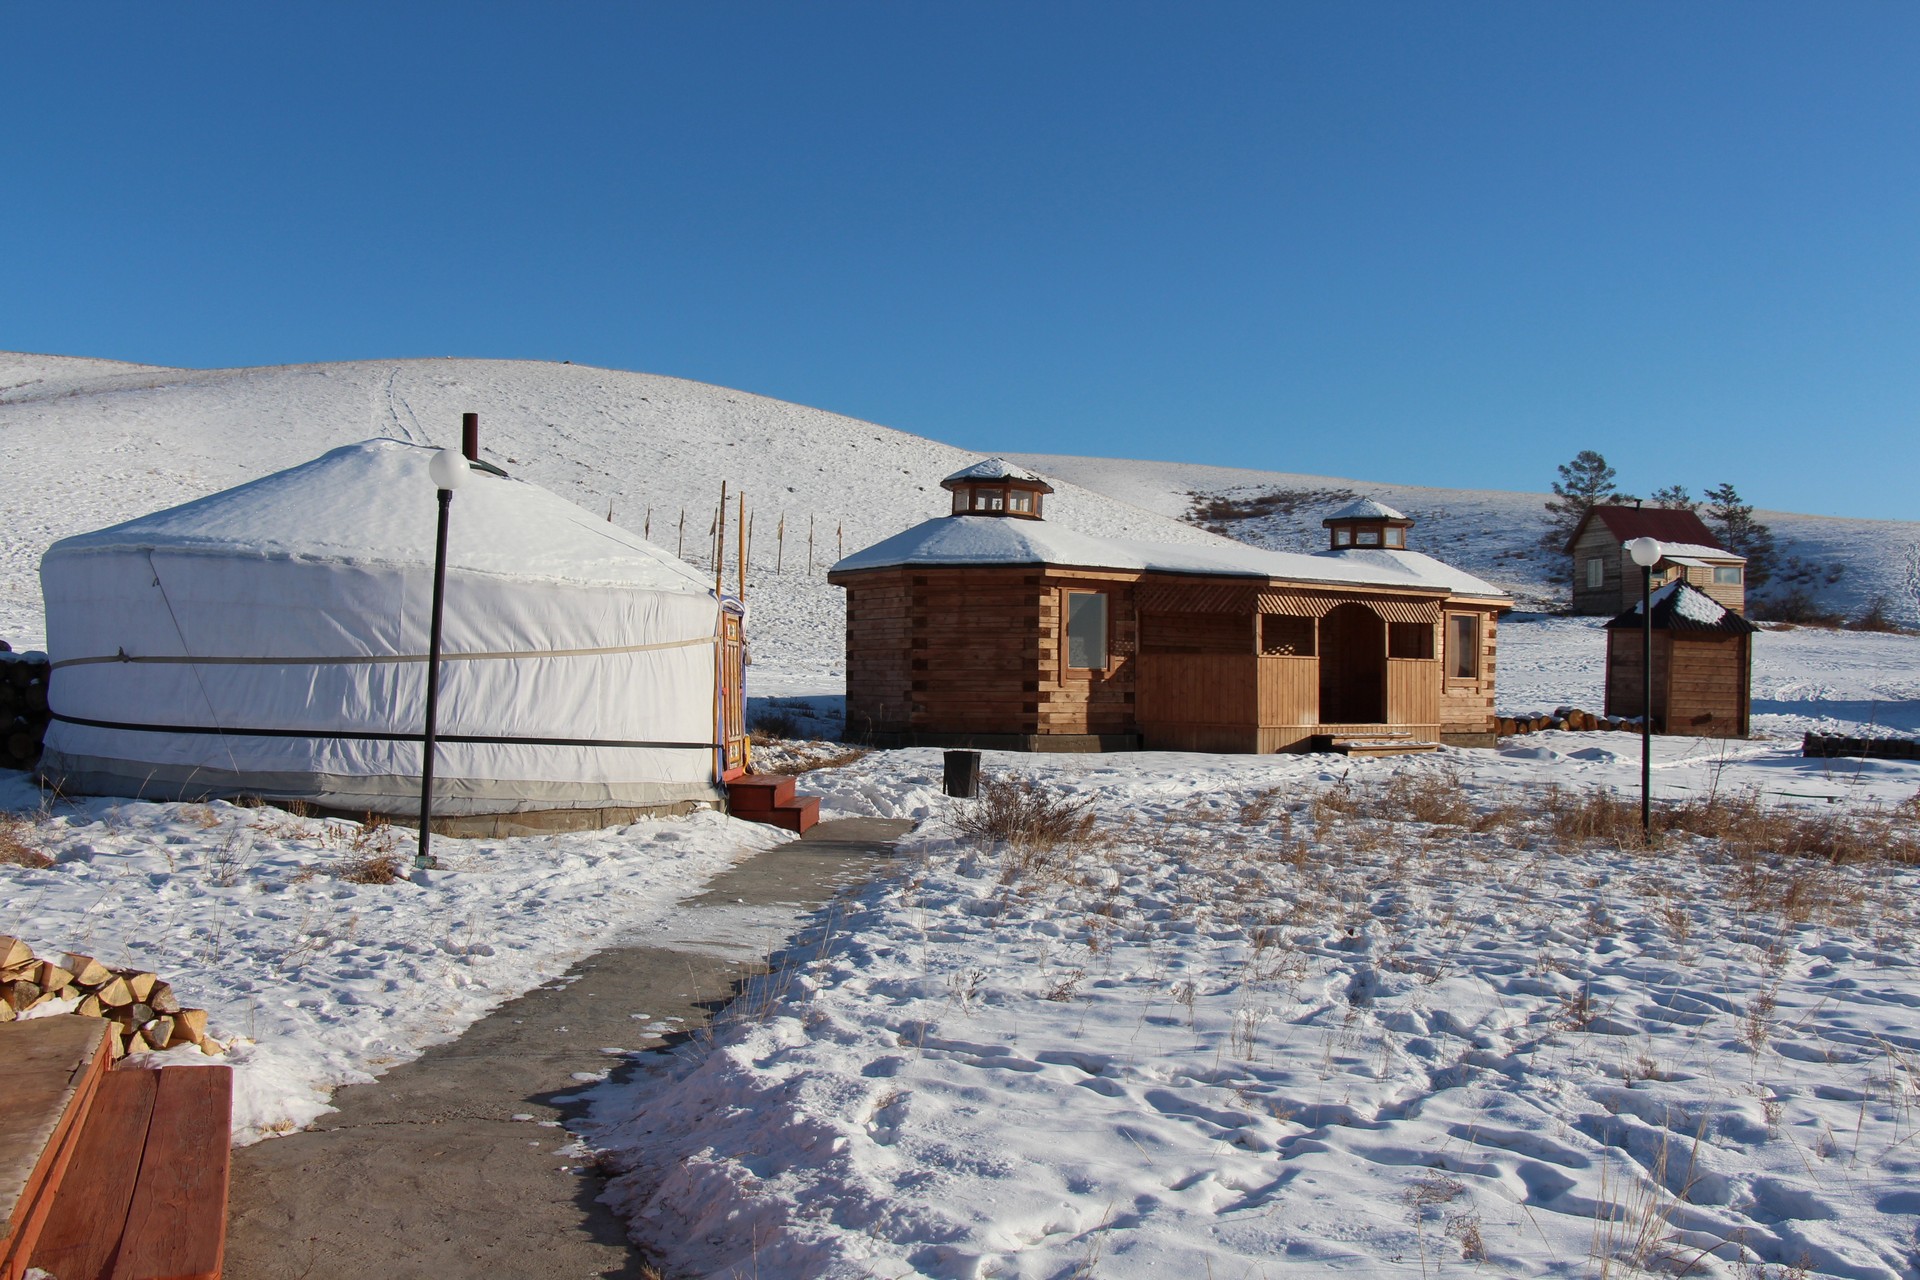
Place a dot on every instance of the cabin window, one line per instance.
(962, 501)
(1284, 636)
(1596, 572)
(1726, 575)
(1366, 537)
(988, 500)
(1410, 640)
(1396, 537)
(1087, 630)
(1020, 500)
(1463, 646)
(1342, 537)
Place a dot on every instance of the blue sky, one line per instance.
(1424, 243)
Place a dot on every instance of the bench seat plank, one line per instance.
(177, 1224)
(83, 1235)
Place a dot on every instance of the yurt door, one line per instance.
(733, 694)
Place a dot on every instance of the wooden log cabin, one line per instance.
(1605, 579)
(990, 627)
(1702, 664)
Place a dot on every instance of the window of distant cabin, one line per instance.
(1020, 500)
(1366, 537)
(1463, 646)
(1086, 631)
(1596, 572)
(1396, 537)
(988, 500)
(1410, 640)
(1726, 575)
(1342, 537)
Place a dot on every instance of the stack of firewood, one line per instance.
(141, 1010)
(23, 707)
(1565, 718)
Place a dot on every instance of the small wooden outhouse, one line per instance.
(994, 627)
(1702, 665)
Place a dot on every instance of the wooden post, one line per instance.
(609, 510)
(720, 542)
(680, 548)
(741, 554)
(840, 536)
(780, 544)
(809, 546)
(646, 530)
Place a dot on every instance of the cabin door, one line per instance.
(1353, 666)
(733, 695)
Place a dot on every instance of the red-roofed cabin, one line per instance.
(1606, 580)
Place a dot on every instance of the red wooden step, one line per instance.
(797, 817)
(758, 793)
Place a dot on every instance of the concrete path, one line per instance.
(425, 1172)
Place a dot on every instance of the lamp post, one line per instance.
(1646, 553)
(446, 470)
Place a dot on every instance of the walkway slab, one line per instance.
(427, 1171)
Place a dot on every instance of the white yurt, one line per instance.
(272, 640)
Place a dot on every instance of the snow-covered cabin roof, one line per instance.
(1681, 606)
(1675, 526)
(373, 503)
(1366, 509)
(957, 540)
(994, 469)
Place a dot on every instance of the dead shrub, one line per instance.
(807, 762)
(1024, 816)
(15, 848)
(375, 868)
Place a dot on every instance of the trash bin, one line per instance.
(963, 773)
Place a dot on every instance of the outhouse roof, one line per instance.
(1681, 606)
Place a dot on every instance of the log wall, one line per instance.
(1466, 706)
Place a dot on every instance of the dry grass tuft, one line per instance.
(16, 849)
(375, 856)
(1020, 813)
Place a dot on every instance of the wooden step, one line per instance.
(798, 817)
(1381, 746)
(146, 1197)
(758, 793)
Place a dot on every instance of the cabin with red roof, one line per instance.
(992, 626)
(1606, 580)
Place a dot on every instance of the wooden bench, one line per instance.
(141, 1193)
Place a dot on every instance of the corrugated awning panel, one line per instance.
(1158, 598)
(1392, 608)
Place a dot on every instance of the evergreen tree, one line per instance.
(1584, 483)
(1675, 498)
(1732, 522)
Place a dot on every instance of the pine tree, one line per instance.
(1732, 522)
(1584, 484)
(1675, 498)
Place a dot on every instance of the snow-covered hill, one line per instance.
(86, 443)
(1493, 534)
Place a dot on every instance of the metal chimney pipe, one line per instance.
(470, 436)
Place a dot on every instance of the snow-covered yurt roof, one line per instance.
(372, 504)
(977, 540)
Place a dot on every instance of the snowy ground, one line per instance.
(1266, 1021)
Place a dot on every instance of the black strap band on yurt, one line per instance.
(375, 736)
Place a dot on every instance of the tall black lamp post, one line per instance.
(446, 470)
(1646, 553)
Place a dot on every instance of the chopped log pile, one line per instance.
(1826, 746)
(1568, 718)
(23, 707)
(141, 1010)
